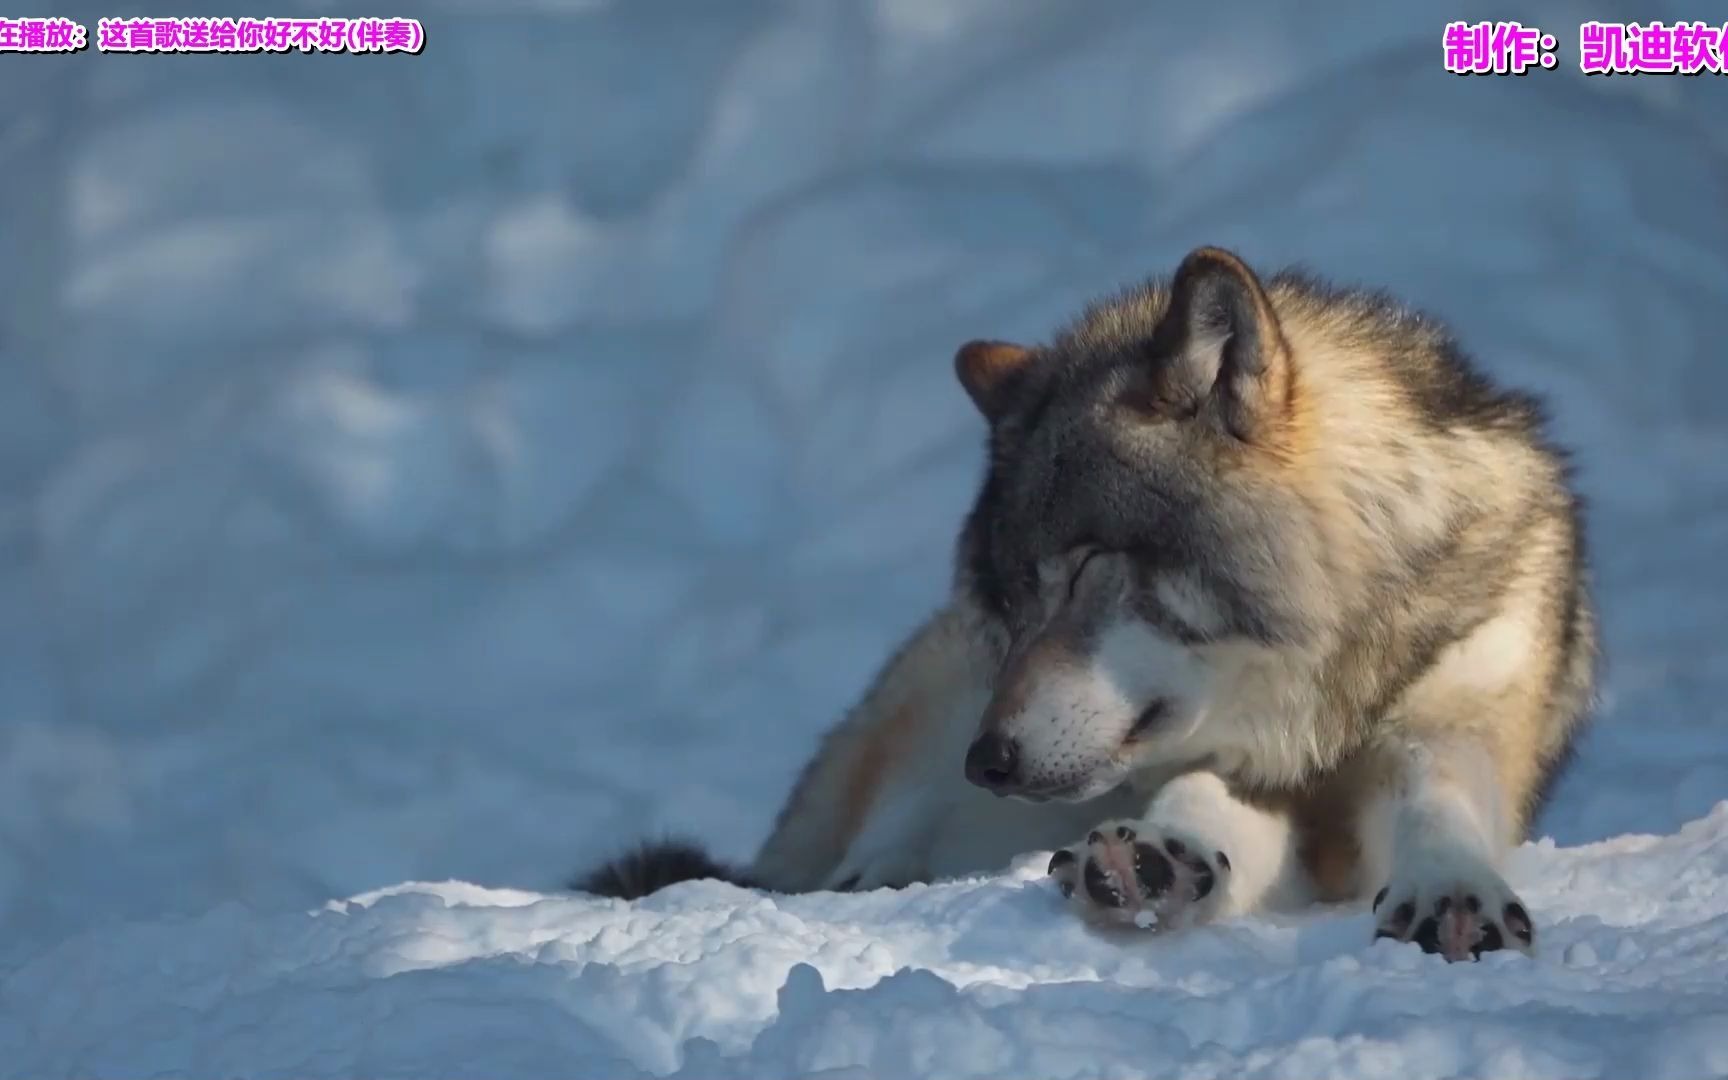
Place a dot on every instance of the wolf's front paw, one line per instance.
(1458, 907)
(1130, 873)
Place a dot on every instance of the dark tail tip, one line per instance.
(653, 866)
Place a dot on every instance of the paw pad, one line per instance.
(1457, 925)
(1131, 874)
(1153, 870)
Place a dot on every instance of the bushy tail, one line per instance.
(653, 866)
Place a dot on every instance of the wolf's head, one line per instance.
(1137, 533)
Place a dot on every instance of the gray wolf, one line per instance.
(1269, 596)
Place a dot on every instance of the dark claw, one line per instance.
(1067, 888)
(1123, 832)
(1380, 897)
(1059, 860)
(1223, 860)
(1098, 886)
(1154, 870)
(1203, 883)
(1402, 916)
(1491, 940)
(1427, 935)
(1518, 922)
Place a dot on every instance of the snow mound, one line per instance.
(979, 978)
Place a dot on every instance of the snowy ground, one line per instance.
(973, 979)
(449, 468)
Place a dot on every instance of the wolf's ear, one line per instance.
(985, 368)
(1226, 342)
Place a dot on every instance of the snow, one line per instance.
(420, 476)
(982, 978)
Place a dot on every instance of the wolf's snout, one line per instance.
(992, 762)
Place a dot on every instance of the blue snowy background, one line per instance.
(454, 466)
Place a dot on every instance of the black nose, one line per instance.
(991, 761)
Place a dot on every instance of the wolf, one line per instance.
(1269, 598)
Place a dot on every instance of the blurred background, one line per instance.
(458, 465)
